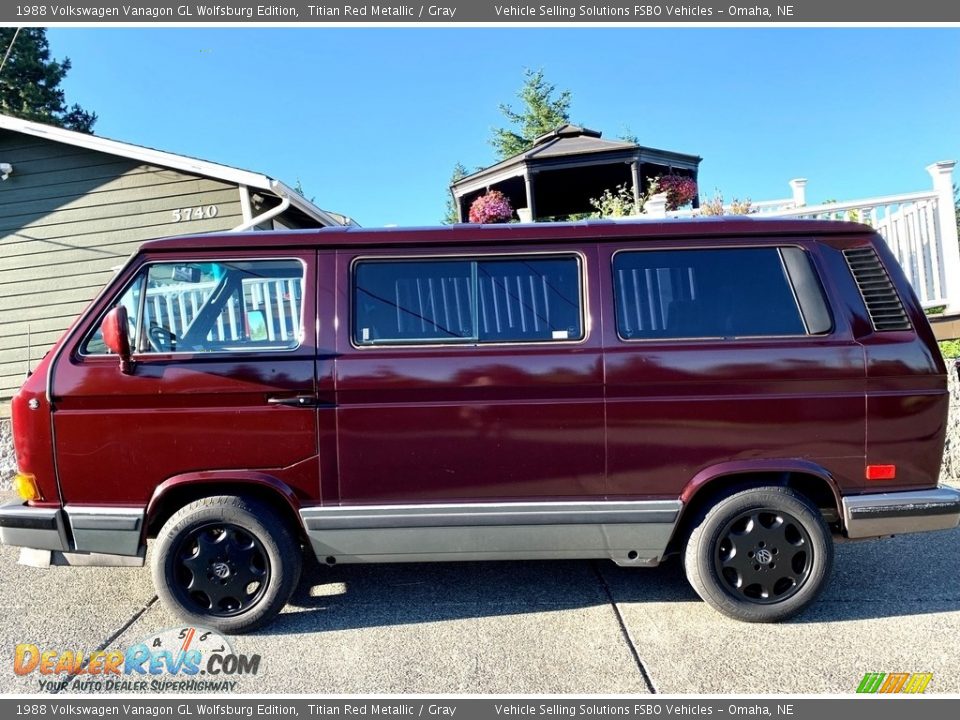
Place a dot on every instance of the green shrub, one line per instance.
(950, 349)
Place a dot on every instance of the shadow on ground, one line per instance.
(910, 575)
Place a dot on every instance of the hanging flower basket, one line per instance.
(680, 190)
(492, 207)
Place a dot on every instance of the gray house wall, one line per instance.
(68, 216)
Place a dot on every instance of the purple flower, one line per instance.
(493, 207)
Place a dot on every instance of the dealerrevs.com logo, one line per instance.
(175, 659)
(894, 683)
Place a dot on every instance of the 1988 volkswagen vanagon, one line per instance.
(735, 392)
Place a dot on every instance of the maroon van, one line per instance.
(736, 392)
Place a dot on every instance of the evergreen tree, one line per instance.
(956, 205)
(30, 82)
(541, 112)
(451, 217)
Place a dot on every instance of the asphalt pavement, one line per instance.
(531, 627)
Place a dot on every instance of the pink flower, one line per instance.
(680, 190)
(492, 207)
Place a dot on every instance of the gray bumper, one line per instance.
(94, 529)
(25, 526)
(899, 513)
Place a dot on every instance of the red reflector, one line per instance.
(881, 472)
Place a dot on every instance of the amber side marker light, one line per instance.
(881, 472)
(26, 486)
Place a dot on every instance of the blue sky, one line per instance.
(372, 120)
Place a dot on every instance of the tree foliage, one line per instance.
(30, 82)
(542, 110)
(451, 216)
(956, 205)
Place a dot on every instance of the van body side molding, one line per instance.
(630, 533)
(896, 513)
(109, 530)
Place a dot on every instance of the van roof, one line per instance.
(600, 230)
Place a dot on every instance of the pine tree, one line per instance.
(451, 217)
(30, 82)
(540, 113)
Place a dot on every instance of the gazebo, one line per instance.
(567, 167)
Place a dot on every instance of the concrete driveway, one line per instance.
(534, 627)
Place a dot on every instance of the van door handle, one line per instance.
(304, 401)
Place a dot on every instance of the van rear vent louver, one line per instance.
(883, 304)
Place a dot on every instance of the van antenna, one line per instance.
(29, 352)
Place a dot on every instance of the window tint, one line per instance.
(806, 285)
(739, 292)
(490, 300)
(426, 301)
(213, 307)
(529, 299)
(130, 299)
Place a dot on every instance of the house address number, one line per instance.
(204, 212)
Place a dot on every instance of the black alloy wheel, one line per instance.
(763, 556)
(222, 570)
(227, 563)
(760, 554)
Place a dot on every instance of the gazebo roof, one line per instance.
(568, 166)
(565, 141)
(571, 140)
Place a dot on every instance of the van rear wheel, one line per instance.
(227, 563)
(760, 555)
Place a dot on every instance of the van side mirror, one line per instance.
(114, 329)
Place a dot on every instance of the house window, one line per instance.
(490, 300)
(717, 293)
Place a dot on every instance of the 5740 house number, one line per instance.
(204, 212)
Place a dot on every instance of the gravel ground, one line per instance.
(950, 470)
(7, 463)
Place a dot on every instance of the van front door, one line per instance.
(221, 388)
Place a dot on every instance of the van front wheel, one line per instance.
(760, 555)
(227, 563)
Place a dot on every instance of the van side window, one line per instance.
(490, 300)
(130, 299)
(214, 307)
(710, 293)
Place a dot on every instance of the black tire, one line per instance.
(760, 555)
(227, 563)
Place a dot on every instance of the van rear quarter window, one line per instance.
(496, 300)
(707, 293)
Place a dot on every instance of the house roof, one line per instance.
(185, 163)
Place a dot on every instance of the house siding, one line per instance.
(68, 217)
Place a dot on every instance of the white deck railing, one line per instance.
(919, 227)
(176, 306)
(909, 224)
